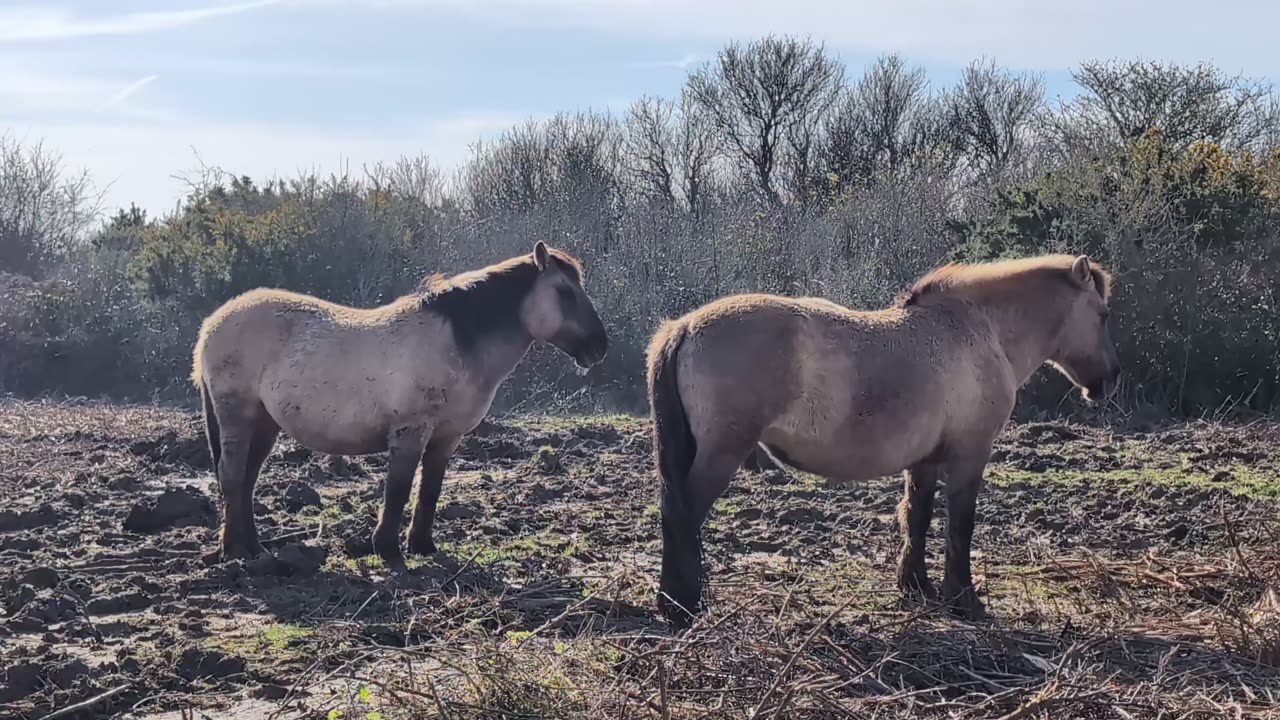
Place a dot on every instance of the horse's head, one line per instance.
(558, 310)
(1083, 350)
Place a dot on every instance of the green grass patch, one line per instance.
(619, 421)
(359, 565)
(546, 544)
(279, 637)
(1238, 479)
(271, 639)
(1022, 583)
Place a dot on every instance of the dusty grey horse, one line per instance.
(924, 386)
(408, 378)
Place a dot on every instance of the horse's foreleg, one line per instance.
(405, 445)
(961, 487)
(434, 461)
(915, 512)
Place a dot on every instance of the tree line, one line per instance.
(775, 169)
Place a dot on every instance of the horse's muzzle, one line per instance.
(1103, 388)
(592, 352)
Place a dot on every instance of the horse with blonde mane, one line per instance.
(408, 378)
(924, 386)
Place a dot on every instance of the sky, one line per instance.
(140, 93)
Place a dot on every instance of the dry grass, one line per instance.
(770, 654)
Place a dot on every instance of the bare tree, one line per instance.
(887, 121)
(668, 149)
(696, 150)
(991, 113)
(648, 147)
(414, 178)
(510, 173)
(1122, 101)
(43, 210)
(760, 94)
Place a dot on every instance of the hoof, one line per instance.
(422, 546)
(233, 551)
(387, 547)
(965, 604)
(916, 586)
(677, 614)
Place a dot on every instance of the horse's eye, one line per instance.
(566, 295)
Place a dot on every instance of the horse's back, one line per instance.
(838, 391)
(247, 330)
(741, 363)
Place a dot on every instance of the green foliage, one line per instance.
(229, 240)
(1023, 221)
(1191, 233)
(1217, 196)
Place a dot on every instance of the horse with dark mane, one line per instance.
(924, 386)
(408, 378)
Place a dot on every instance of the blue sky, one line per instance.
(132, 90)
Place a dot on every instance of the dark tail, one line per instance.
(674, 448)
(211, 429)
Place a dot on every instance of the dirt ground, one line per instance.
(1128, 575)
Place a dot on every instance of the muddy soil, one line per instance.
(105, 511)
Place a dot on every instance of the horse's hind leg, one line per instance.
(713, 469)
(962, 485)
(265, 433)
(405, 445)
(915, 512)
(245, 441)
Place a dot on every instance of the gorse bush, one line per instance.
(772, 171)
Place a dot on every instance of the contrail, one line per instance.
(127, 91)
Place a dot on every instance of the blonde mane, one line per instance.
(961, 277)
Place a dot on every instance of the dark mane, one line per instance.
(481, 303)
(959, 275)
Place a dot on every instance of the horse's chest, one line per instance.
(463, 409)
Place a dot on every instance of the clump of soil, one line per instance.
(173, 508)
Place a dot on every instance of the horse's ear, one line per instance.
(540, 255)
(1081, 270)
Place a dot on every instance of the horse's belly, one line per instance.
(324, 424)
(845, 464)
(354, 440)
(845, 452)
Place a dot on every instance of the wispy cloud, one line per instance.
(33, 24)
(127, 91)
(944, 31)
(679, 63)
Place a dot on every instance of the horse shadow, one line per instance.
(310, 586)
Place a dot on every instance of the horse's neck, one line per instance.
(1026, 333)
(499, 358)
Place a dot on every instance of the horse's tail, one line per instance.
(674, 448)
(673, 442)
(211, 428)
(197, 357)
